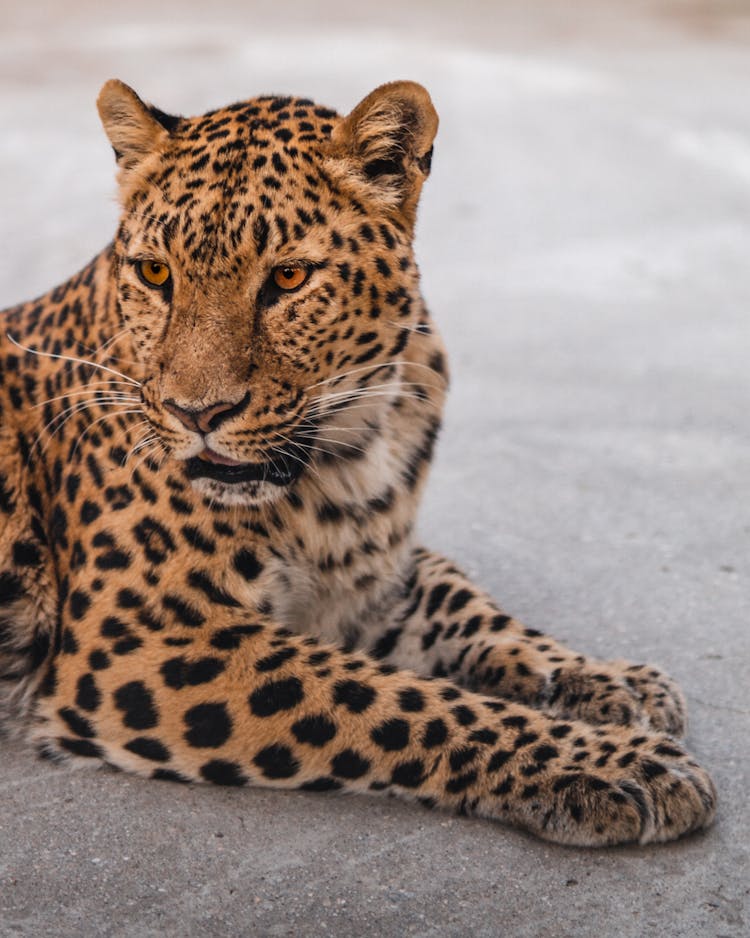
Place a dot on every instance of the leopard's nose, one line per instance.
(206, 419)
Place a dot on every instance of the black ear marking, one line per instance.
(425, 161)
(170, 122)
(383, 148)
(383, 167)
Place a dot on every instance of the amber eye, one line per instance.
(290, 278)
(152, 273)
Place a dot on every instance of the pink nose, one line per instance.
(208, 418)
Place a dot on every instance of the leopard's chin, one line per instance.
(249, 494)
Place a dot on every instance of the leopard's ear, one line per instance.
(135, 129)
(383, 149)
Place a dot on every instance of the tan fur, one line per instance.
(395, 122)
(207, 560)
(134, 134)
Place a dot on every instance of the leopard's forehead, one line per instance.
(252, 142)
(254, 167)
(260, 123)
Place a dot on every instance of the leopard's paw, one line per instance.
(617, 692)
(659, 697)
(617, 788)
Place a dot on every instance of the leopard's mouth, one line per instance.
(284, 469)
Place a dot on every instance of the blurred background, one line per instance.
(585, 247)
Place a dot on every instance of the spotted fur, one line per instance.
(208, 491)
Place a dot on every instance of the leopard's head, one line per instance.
(265, 274)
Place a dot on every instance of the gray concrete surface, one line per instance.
(585, 245)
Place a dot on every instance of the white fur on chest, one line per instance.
(337, 578)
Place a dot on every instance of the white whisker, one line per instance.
(124, 395)
(107, 344)
(296, 458)
(91, 426)
(73, 359)
(325, 439)
(422, 328)
(332, 404)
(148, 454)
(373, 367)
(59, 420)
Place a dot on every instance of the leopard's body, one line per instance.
(208, 489)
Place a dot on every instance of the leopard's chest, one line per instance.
(333, 575)
(338, 602)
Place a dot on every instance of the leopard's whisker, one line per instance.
(352, 446)
(340, 399)
(158, 443)
(73, 359)
(331, 404)
(361, 368)
(144, 442)
(313, 428)
(141, 435)
(86, 430)
(422, 328)
(97, 349)
(383, 385)
(287, 440)
(80, 406)
(323, 439)
(59, 420)
(124, 395)
(140, 445)
(108, 344)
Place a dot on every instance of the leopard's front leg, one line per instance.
(445, 626)
(239, 702)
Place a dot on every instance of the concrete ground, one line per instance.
(585, 245)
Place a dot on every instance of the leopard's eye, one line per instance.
(290, 278)
(152, 273)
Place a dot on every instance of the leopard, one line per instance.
(213, 443)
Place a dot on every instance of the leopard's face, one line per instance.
(267, 280)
